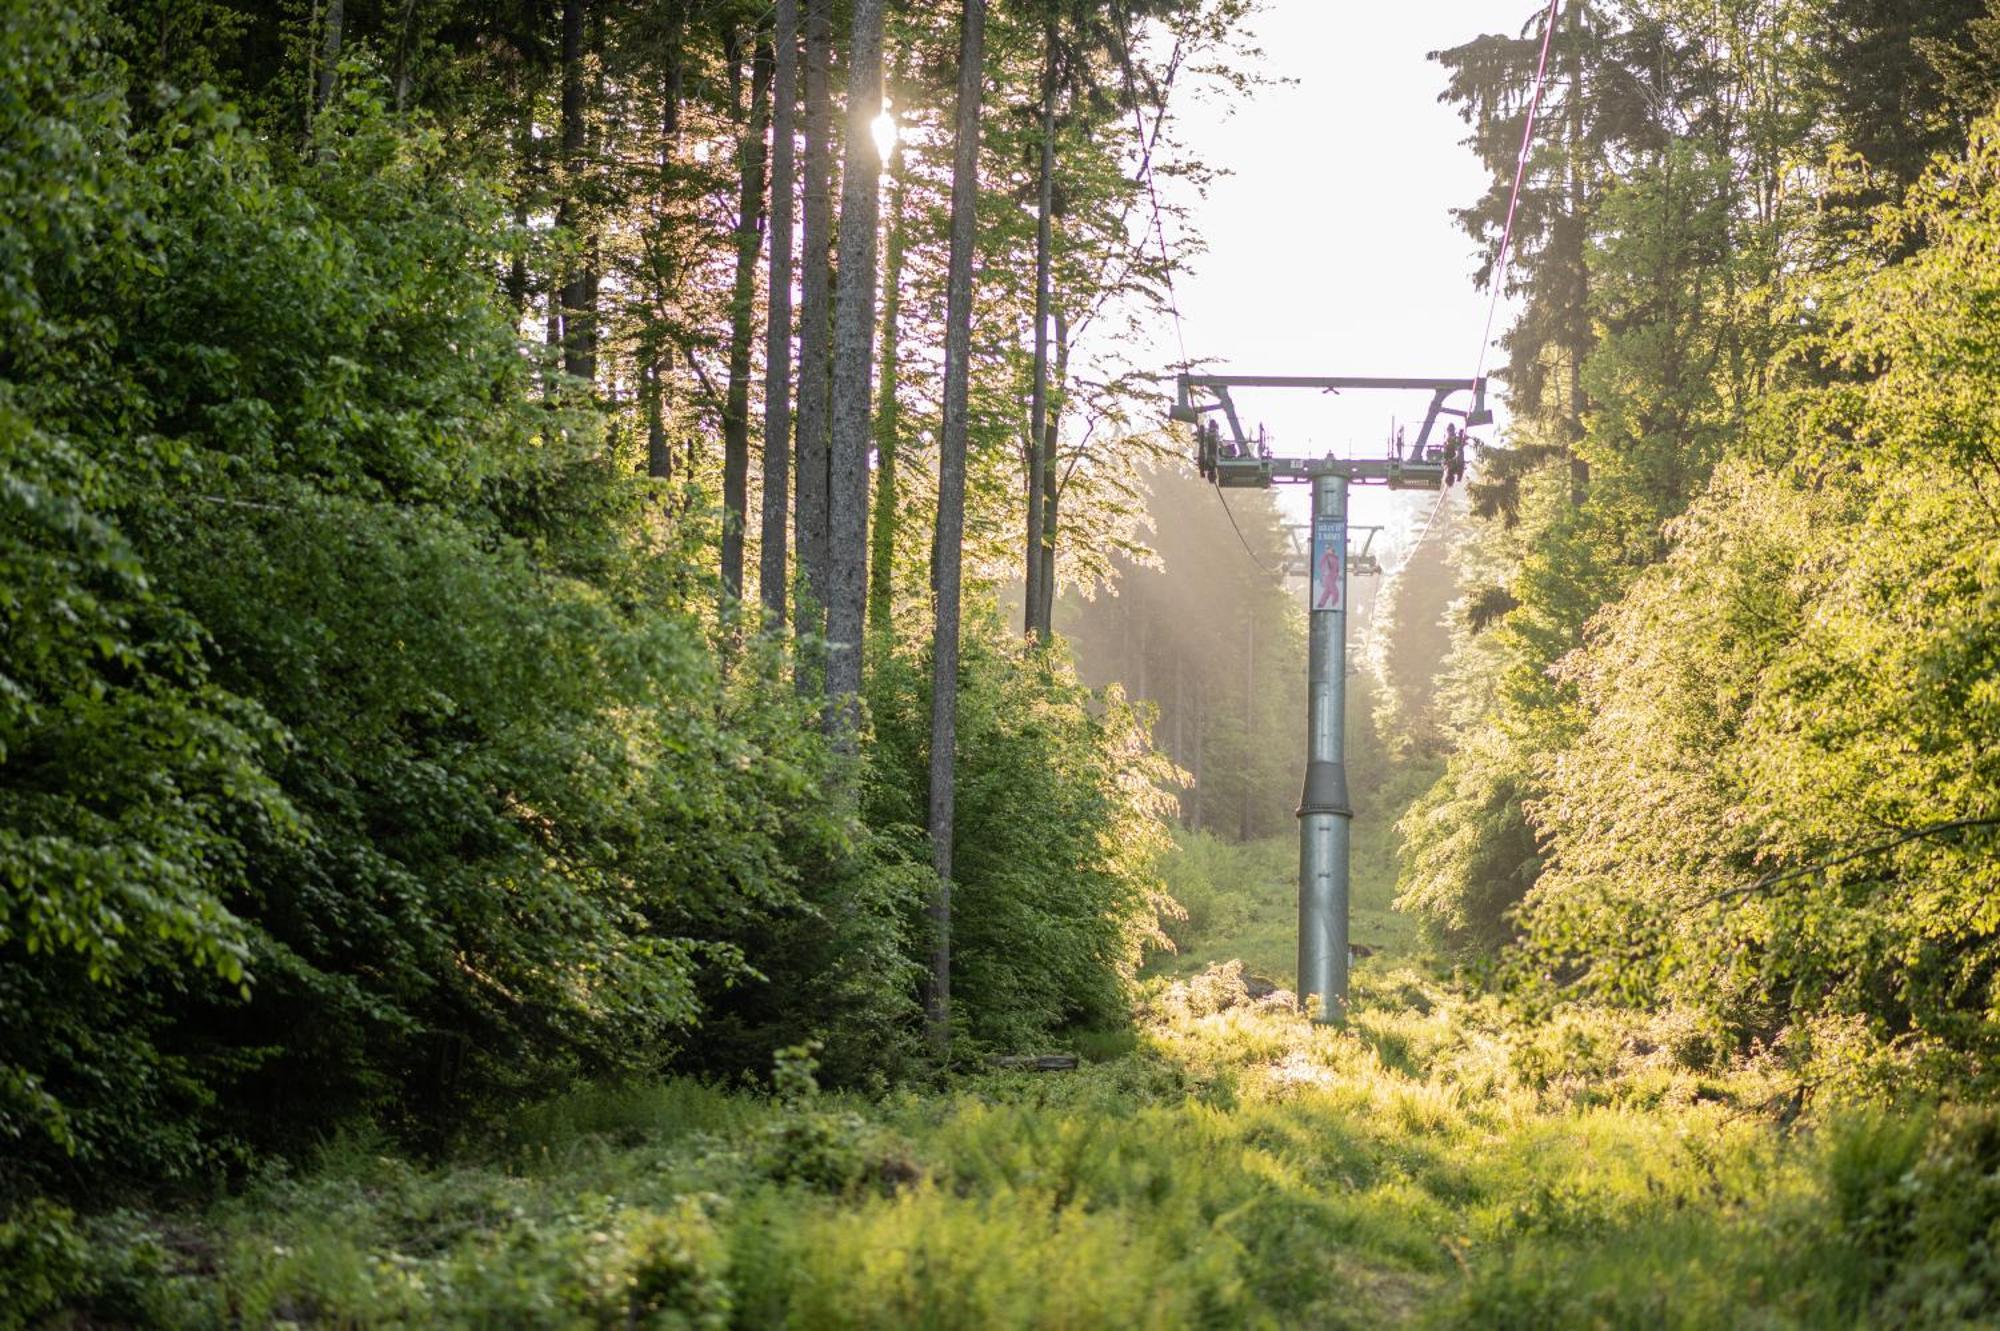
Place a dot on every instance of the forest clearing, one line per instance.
(857, 663)
(1438, 1164)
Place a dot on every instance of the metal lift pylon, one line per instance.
(1325, 813)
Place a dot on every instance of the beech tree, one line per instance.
(750, 213)
(947, 561)
(778, 337)
(853, 362)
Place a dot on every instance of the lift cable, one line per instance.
(1514, 197)
(1261, 565)
(1500, 261)
(1422, 532)
(1506, 243)
(1146, 143)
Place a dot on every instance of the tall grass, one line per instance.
(1438, 1163)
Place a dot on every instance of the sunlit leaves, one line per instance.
(1793, 717)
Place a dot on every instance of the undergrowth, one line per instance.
(1439, 1163)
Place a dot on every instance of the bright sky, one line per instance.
(1331, 249)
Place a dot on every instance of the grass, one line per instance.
(1227, 1164)
(1242, 903)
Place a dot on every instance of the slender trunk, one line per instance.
(815, 334)
(853, 357)
(888, 411)
(1051, 483)
(659, 456)
(1045, 535)
(579, 293)
(946, 555)
(742, 310)
(1031, 573)
(659, 449)
(1180, 708)
(670, 110)
(331, 36)
(524, 166)
(552, 335)
(1197, 721)
(1124, 612)
(1579, 469)
(1144, 666)
(778, 330)
(404, 36)
(1038, 408)
(325, 67)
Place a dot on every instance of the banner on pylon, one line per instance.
(1329, 548)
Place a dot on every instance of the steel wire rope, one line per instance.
(1500, 259)
(1166, 256)
(1506, 246)
(1514, 196)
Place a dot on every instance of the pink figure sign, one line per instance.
(1329, 547)
(1329, 580)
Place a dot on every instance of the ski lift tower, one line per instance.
(1240, 462)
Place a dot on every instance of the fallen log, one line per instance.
(1037, 1062)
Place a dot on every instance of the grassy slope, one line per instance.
(1432, 1166)
(1242, 903)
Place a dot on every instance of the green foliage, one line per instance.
(1244, 1169)
(1918, 1201)
(363, 753)
(1891, 83)
(1807, 678)
(1470, 855)
(44, 1263)
(1721, 742)
(1440, 1163)
(131, 776)
(358, 755)
(1060, 829)
(1205, 876)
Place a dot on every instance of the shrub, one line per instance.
(359, 753)
(1061, 824)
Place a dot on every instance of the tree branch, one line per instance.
(1876, 848)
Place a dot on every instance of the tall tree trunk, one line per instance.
(1245, 813)
(1143, 667)
(331, 35)
(329, 28)
(524, 167)
(742, 311)
(1579, 468)
(1179, 744)
(1044, 528)
(579, 293)
(1051, 482)
(815, 336)
(778, 330)
(553, 336)
(659, 449)
(853, 360)
(946, 556)
(1199, 721)
(888, 411)
(1038, 409)
(659, 455)
(405, 35)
